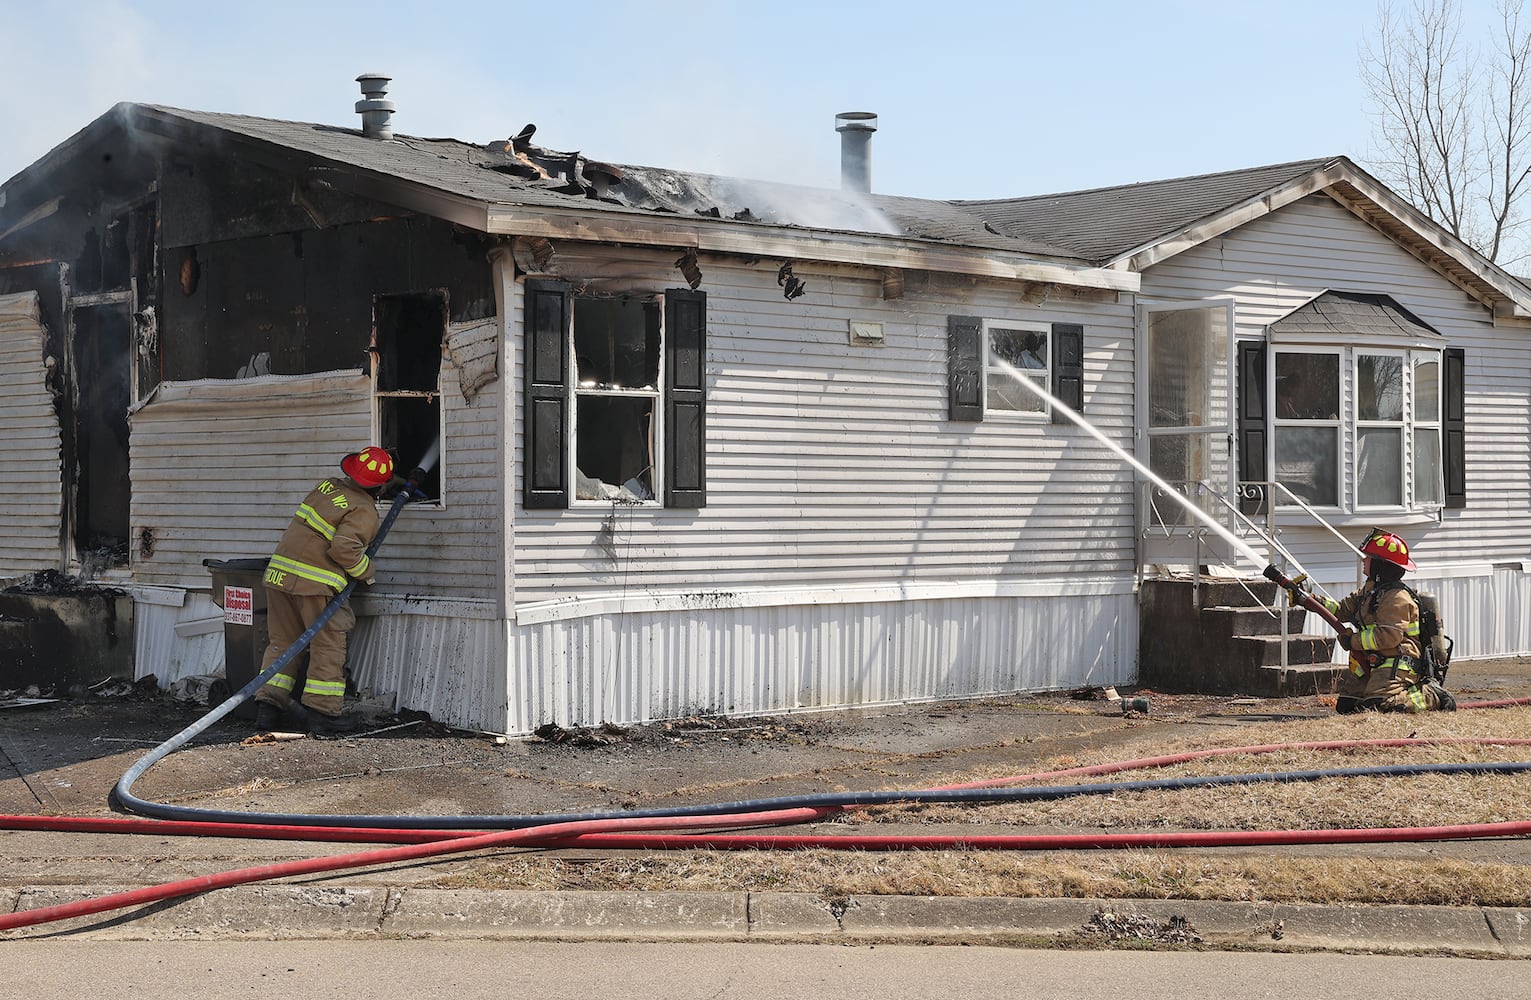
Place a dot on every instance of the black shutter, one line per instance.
(964, 367)
(1252, 426)
(685, 481)
(544, 452)
(1454, 428)
(1068, 368)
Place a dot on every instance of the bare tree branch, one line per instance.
(1452, 121)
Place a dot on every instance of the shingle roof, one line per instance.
(495, 174)
(1087, 226)
(1103, 223)
(475, 183)
(1336, 314)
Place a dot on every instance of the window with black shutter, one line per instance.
(685, 398)
(601, 424)
(1454, 428)
(1068, 368)
(545, 477)
(1252, 429)
(964, 368)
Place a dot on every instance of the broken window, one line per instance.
(406, 359)
(614, 397)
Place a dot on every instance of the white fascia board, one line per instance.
(838, 248)
(1519, 304)
(1149, 254)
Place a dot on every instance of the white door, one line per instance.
(1185, 427)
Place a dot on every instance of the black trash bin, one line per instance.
(239, 588)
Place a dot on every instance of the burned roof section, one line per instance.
(456, 180)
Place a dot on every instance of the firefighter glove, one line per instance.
(1345, 639)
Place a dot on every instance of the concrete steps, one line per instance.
(1222, 636)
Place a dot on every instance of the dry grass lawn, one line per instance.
(1339, 874)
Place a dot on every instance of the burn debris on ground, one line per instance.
(53, 583)
(682, 730)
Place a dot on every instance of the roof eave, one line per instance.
(1363, 196)
(866, 249)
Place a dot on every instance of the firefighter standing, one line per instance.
(1387, 670)
(323, 549)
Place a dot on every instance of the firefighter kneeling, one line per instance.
(1390, 668)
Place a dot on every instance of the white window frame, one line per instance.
(992, 369)
(1350, 427)
(654, 393)
(1434, 426)
(1358, 425)
(1277, 422)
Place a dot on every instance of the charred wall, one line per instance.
(302, 301)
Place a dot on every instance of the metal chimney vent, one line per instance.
(376, 113)
(856, 128)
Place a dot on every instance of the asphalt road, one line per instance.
(468, 970)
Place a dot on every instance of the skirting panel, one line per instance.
(737, 661)
(748, 661)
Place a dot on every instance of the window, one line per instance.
(980, 359)
(406, 371)
(1427, 429)
(614, 398)
(1017, 359)
(1392, 412)
(1379, 430)
(1307, 435)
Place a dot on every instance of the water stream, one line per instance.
(432, 454)
(1243, 548)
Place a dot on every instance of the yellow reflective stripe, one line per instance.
(307, 572)
(360, 569)
(1413, 629)
(1417, 699)
(281, 682)
(1333, 607)
(333, 689)
(311, 517)
(1367, 637)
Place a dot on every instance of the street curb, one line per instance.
(321, 912)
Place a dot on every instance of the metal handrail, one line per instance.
(1244, 525)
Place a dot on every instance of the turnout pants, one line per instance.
(1385, 688)
(289, 616)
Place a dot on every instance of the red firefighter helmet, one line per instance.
(1388, 547)
(369, 467)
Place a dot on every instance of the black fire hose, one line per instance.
(122, 797)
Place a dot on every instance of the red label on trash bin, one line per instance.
(239, 605)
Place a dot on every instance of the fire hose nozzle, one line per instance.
(1274, 575)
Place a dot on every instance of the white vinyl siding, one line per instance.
(1277, 263)
(832, 465)
(33, 467)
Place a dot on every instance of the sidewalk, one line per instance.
(63, 759)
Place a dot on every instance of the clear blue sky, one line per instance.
(976, 99)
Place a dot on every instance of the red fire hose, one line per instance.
(612, 833)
